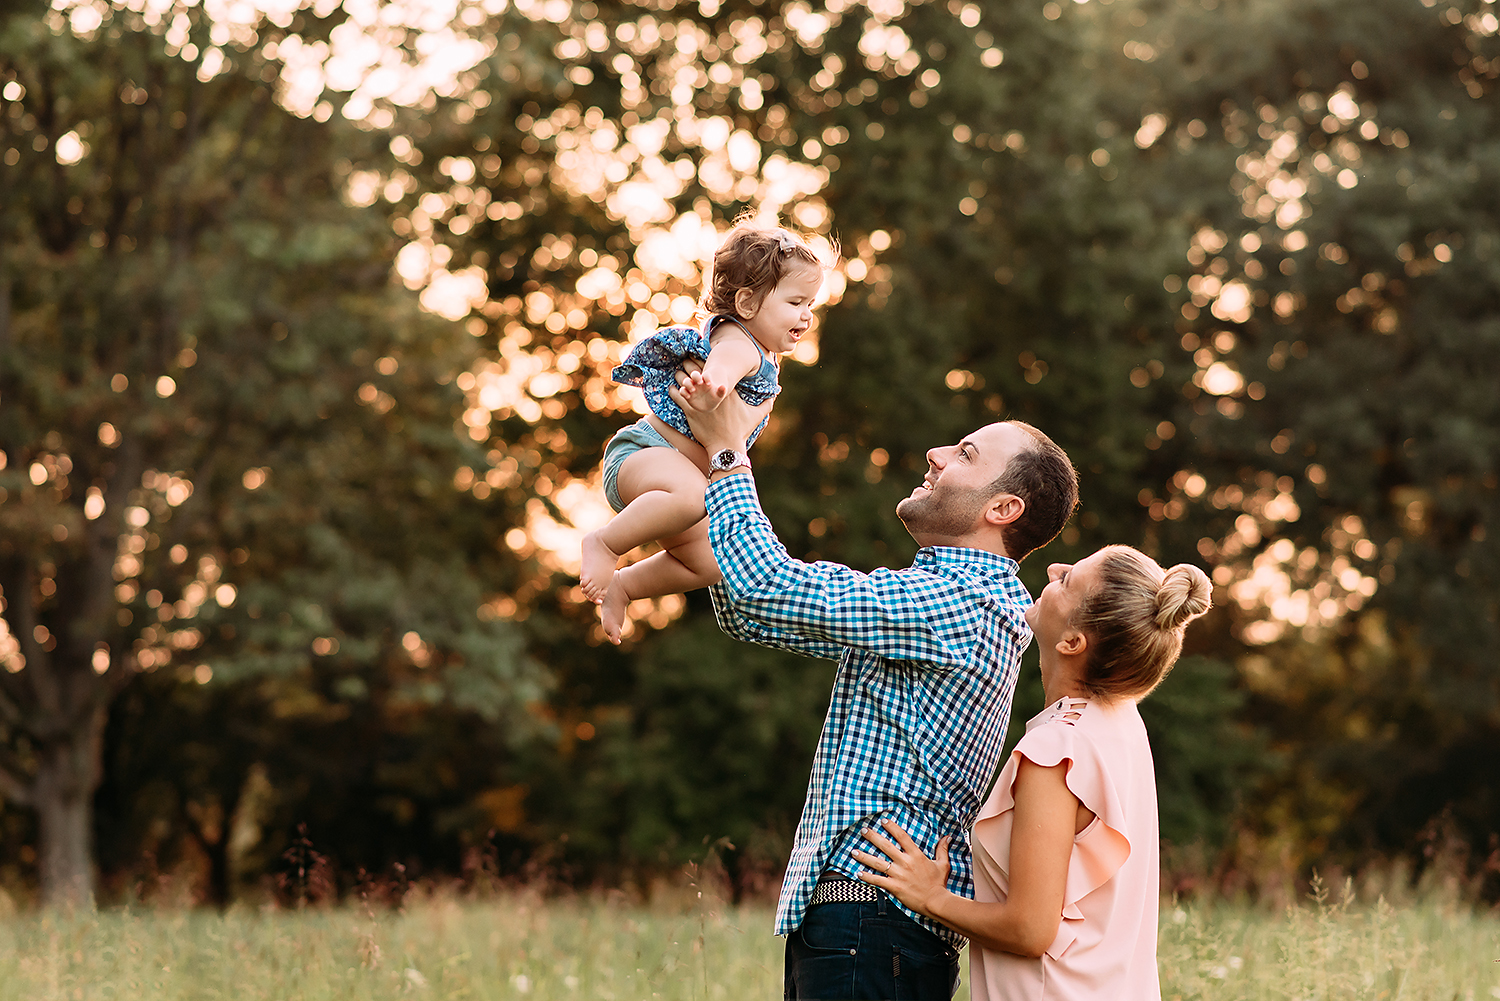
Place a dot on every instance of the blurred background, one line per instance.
(307, 314)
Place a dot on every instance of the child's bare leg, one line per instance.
(663, 494)
(686, 565)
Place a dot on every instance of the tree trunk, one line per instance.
(66, 778)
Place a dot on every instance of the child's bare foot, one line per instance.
(599, 562)
(612, 609)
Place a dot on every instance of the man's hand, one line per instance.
(718, 422)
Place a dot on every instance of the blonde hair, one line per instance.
(1135, 616)
(754, 258)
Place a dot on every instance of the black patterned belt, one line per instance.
(836, 889)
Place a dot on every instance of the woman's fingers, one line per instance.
(884, 844)
(902, 838)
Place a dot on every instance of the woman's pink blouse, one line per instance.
(1106, 942)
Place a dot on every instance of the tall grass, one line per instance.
(521, 946)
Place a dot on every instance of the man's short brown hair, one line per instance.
(1045, 479)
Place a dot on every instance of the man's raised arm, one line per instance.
(768, 597)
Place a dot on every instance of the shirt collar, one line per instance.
(932, 556)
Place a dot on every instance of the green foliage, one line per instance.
(1045, 204)
(704, 738)
(1377, 361)
(229, 439)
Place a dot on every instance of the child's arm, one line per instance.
(731, 357)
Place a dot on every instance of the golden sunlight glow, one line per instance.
(11, 657)
(391, 54)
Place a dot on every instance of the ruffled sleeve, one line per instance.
(660, 354)
(1101, 848)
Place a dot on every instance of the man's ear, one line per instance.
(1073, 643)
(746, 303)
(1004, 509)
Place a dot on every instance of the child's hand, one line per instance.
(715, 426)
(701, 392)
(906, 872)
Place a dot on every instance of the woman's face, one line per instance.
(1051, 615)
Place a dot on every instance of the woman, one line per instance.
(1065, 848)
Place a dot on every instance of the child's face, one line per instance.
(786, 313)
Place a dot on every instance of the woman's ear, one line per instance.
(746, 304)
(1073, 643)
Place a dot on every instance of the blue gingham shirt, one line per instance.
(928, 658)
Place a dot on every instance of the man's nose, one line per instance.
(935, 458)
(1056, 570)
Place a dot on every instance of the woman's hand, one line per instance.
(910, 876)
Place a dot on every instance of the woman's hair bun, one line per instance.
(1184, 595)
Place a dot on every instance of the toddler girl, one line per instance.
(759, 305)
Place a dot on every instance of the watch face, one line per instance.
(727, 459)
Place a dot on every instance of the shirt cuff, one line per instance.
(732, 494)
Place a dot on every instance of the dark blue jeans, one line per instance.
(867, 951)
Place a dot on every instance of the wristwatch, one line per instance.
(727, 459)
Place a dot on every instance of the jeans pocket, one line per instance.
(923, 975)
(830, 928)
(822, 955)
(828, 977)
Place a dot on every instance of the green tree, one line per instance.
(229, 440)
(1007, 240)
(1348, 426)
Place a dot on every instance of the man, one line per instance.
(928, 658)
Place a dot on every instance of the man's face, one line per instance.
(949, 502)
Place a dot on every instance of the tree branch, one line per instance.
(9, 711)
(14, 790)
(4, 313)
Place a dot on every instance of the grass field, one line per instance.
(523, 947)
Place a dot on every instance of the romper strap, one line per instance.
(726, 318)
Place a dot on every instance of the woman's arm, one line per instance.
(1047, 817)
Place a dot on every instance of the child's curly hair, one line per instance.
(754, 258)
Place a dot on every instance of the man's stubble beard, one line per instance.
(948, 514)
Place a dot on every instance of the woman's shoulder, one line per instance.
(1071, 727)
(1103, 746)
